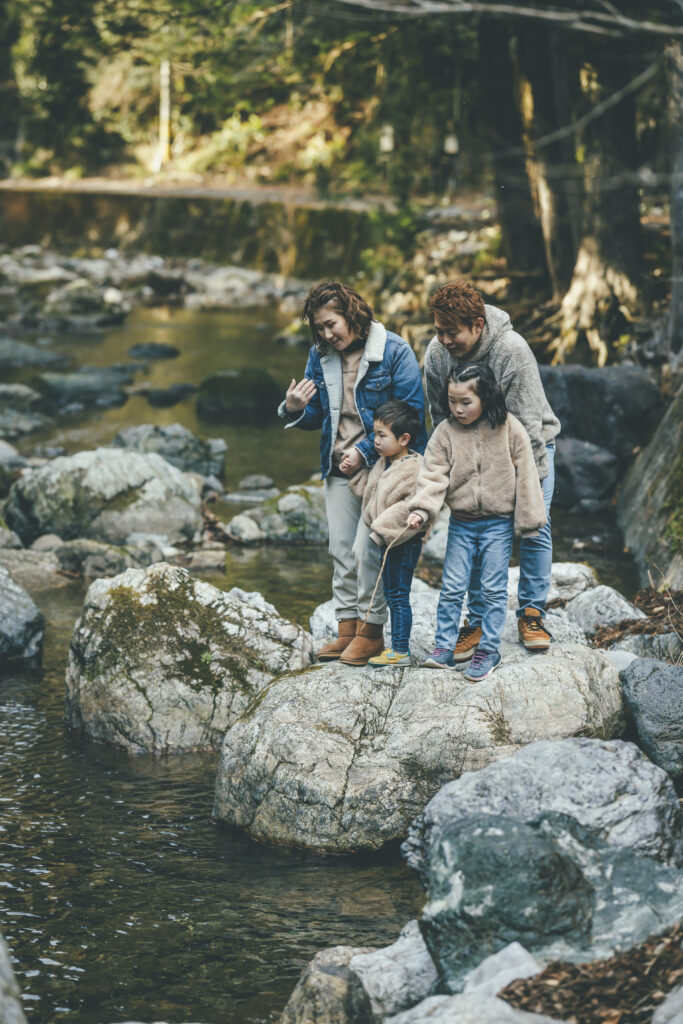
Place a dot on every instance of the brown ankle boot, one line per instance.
(368, 641)
(333, 650)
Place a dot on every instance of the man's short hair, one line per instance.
(400, 417)
(457, 305)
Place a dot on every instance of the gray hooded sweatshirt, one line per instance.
(516, 370)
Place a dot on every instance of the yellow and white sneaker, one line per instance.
(389, 657)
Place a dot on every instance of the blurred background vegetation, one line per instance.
(572, 125)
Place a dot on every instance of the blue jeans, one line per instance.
(489, 542)
(535, 562)
(397, 578)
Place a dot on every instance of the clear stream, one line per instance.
(119, 897)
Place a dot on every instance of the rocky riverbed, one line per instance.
(179, 554)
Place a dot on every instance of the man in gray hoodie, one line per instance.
(468, 331)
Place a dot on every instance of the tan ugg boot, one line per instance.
(346, 629)
(368, 641)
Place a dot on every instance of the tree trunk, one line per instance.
(544, 65)
(605, 291)
(521, 239)
(676, 90)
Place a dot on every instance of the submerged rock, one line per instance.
(248, 395)
(342, 759)
(153, 350)
(607, 786)
(161, 662)
(22, 624)
(107, 495)
(18, 355)
(654, 694)
(102, 387)
(551, 885)
(177, 445)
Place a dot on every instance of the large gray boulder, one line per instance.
(654, 694)
(585, 475)
(551, 885)
(658, 646)
(649, 504)
(296, 516)
(472, 1008)
(107, 495)
(22, 624)
(161, 662)
(671, 1010)
(10, 996)
(177, 445)
(609, 787)
(600, 606)
(616, 407)
(396, 976)
(342, 759)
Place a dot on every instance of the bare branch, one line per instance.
(607, 23)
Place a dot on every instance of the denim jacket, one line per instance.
(388, 369)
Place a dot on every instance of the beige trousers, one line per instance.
(356, 559)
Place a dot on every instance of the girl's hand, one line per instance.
(299, 395)
(415, 520)
(351, 462)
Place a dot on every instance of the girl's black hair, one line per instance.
(486, 386)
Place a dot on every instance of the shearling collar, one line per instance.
(377, 339)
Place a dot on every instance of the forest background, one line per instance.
(568, 116)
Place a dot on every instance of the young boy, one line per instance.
(388, 486)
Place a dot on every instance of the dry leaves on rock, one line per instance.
(626, 989)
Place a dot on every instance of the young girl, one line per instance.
(480, 460)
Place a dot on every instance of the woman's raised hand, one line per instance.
(299, 395)
(414, 520)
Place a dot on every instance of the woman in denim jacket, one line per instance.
(354, 367)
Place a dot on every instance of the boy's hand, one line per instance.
(351, 462)
(299, 395)
(415, 520)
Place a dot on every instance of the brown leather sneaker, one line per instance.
(532, 632)
(333, 651)
(368, 641)
(468, 640)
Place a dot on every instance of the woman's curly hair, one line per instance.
(494, 406)
(348, 303)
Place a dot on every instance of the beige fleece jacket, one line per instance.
(385, 489)
(481, 470)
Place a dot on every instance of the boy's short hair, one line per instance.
(458, 304)
(400, 417)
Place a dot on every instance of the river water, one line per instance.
(119, 897)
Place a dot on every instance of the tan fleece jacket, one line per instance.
(385, 489)
(482, 471)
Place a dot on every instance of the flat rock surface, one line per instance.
(342, 759)
(161, 662)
